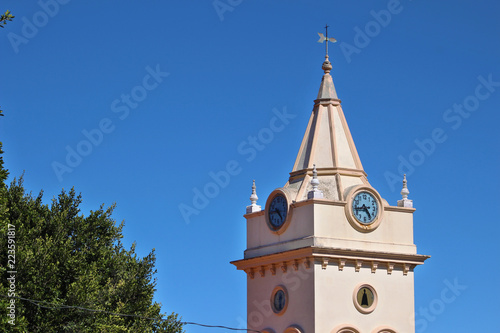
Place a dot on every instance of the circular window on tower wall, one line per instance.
(279, 300)
(365, 298)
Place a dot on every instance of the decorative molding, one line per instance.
(327, 172)
(324, 261)
(296, 264)
(390, 267)
(399, 209)
(250, 272)
(341, 256)
(255, 214)
(307, 262)
(327, 101)
(318, 201)
(406, 269)
(324, 264)
(359, 263)
(341, 264)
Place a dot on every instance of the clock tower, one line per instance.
(327, 253)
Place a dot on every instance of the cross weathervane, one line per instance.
(323, 38)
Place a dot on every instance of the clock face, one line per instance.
(365, 207)
(277, 212)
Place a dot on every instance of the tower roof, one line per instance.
(328, 144)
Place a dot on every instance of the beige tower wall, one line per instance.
(334, 305)
(323, 223)
(300, 310)
(321, 300)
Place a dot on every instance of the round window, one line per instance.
(365, 298)
(279, 300)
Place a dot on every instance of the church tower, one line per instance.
(328, 254)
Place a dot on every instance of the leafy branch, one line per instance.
(5, 17)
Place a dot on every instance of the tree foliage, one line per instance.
(63, 257)
(7, 16)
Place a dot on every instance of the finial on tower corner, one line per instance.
(405, 202)
(315, 193)
(327, 66)
(253, 198)
(405, 191)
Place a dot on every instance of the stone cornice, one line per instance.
(338, 203)
(318, 201)
(399, 209)
(327, 101)
(327, 172)
(255, 214)
(329, 202)
(331, 256)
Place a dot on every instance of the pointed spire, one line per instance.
(405, 202)
(315, 193)
(328, 145)
(253, 199)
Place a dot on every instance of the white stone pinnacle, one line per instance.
(405, 191)
(315, 193)
(253, 198)
(405, 202)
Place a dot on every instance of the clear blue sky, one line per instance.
(431, 67)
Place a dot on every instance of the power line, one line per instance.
(63, 306)
(225, 327)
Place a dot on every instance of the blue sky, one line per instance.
(158, 97)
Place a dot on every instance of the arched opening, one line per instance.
(293, 329)
(346, 329)
(383, 329)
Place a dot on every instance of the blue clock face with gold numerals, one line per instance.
(278, 210)
(365, 207)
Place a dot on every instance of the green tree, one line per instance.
(3, 231)
(7, 16)
(65, 258)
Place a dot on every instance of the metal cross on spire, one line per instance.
(323, 38)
